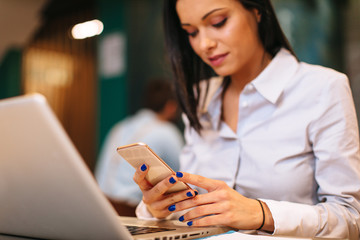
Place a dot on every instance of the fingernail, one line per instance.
(196, 193)
(181, 219)
(179, 174)
(189, 194)
(172, 180)
(143, 167)
(189, 223)
(172, 208)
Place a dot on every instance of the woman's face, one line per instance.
(223, 34)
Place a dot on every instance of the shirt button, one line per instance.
(250, 87)
(244, 104)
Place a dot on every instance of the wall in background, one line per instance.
(315, 30)
(147, 57)
(112, 64)
(10, 74)
(63, 69)
(352, 49)
(130, 52)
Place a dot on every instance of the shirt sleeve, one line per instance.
(335, 140)
(143, 213)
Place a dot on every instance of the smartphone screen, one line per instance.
(139, 153)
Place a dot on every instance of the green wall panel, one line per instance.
(314, 29)
(10, 74)
(130, 52)
(112, 66)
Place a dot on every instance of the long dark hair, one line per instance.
(189, 69)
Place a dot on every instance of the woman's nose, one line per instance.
(207, 43)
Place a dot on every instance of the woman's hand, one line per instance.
(222, 205)
(160, 204)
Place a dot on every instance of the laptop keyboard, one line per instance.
(137, 230)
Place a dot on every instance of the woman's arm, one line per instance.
(334, 137)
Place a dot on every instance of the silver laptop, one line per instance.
(47, 191)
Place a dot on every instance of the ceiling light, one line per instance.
(87, 29)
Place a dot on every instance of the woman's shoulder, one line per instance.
(318, 83)
(312, 73)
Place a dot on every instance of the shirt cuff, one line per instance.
(293, 219)
(143, 213)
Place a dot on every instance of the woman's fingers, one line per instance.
(200, 181)
(222, 207)
(158, 191)
(171, 201)
(204, 210)
(139, 178)
(203, 199)
(216, 219)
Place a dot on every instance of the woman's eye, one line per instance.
(192, 34)
(220, 24)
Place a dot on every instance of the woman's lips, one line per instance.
(217, 59)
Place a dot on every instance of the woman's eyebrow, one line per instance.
(205, 16)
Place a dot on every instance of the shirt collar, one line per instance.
(270, 83)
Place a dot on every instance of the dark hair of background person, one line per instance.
(157, 93)
(189, 69)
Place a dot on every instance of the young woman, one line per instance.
(272, 143)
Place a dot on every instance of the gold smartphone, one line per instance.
(139, 153)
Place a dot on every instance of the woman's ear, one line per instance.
(257, 14)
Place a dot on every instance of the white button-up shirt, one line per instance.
(296, 148)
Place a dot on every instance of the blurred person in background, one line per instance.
(152, 125)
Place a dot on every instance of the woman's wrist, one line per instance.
(263, 215)
(268, 219)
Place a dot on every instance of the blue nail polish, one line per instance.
(179, 174)
(189, 223)
(189, 194)
(172, 208)
(181, 219)
(172, 180)
(143, 167)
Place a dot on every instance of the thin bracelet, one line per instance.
(263, 212)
